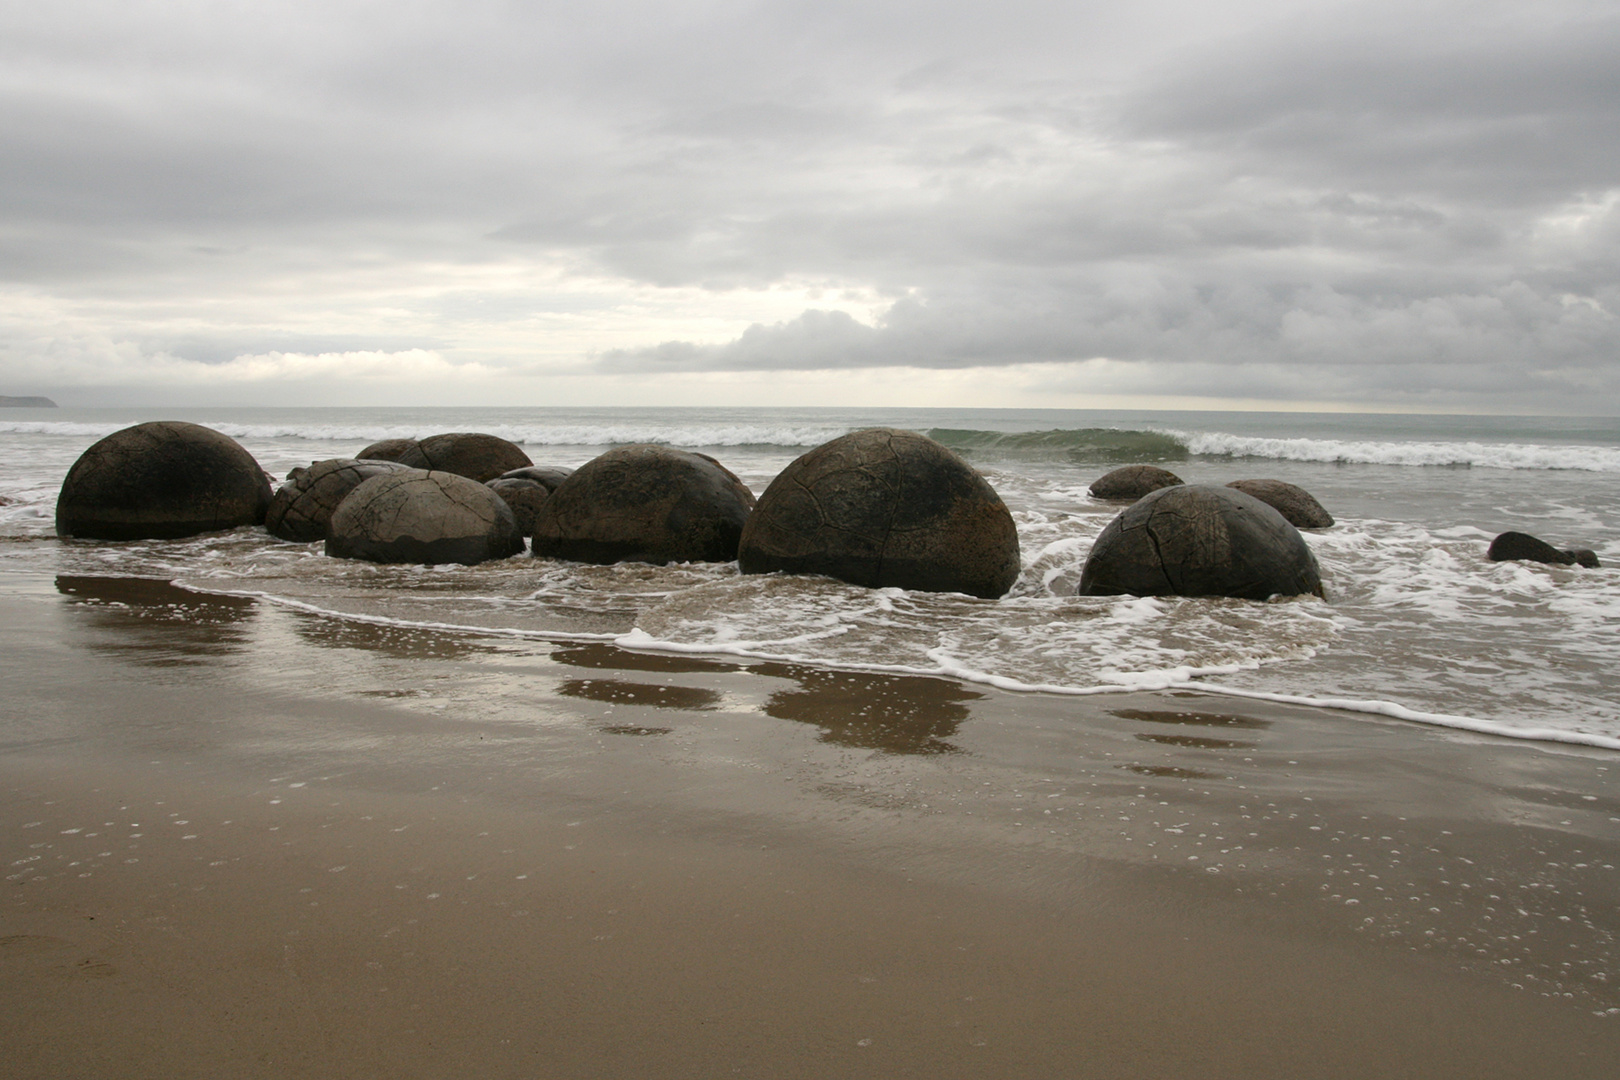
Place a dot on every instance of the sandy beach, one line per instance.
(245, 841)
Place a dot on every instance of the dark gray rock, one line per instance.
(412, 516)
(1200, 540)
(1291, 501)
(645, 504)
(471, 454)
(1132, 482)
(1512, 546)
(524, 496)
(302, 507)
(161, 480)
(387, 450)
(885, 508)
(549, 475)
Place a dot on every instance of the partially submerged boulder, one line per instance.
(1291, 501)
(885, 508)
(524, 497)
(414, 516)
(1132, 482)
(645, 503)
(1200, 540)
(1517, 545)
(302, 507)
(161, 480)
(471, 454)
(387, 450)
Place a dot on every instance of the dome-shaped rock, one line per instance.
(549, 475)
(302, 507)
(423, 517)
(471, 454)
(1291, 501)
(1518, 545)
(1200, 540)
(645, 504)
(161, 480)
(524, 497)
(387, 450)
(1132, 482)
(885, 508)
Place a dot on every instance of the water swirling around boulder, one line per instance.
(645, 503)
(885, 508)
(1200, 540)
(161, 480)
(1512, 546)
(415, 516)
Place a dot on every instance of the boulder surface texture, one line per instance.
(412, 516)
(159, 481)
(387, 450)
(524, 497)
(1133, 482)
(884, 508)
(645, 503)
(466, 453)
(1518, 545)
(548, 475)
(1291, 501)
(1200, 540)
(302, 508)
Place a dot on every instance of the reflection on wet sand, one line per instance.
(155, 623)
(612, 658)
(655, 695)
(1195, 742)
(399, 642)
(898, 714)
(1197, 719)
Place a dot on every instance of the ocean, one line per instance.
(1417, 625)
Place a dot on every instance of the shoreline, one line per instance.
(1193, 904)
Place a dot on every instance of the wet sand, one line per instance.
(243, 841)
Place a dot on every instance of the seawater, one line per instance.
(1417, 624)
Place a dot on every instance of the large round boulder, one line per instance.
(387, 450)
(413, 516)
(302, 507)
(548, 475)
(471, 454)
(648, 504)
(1132, 482)
(1291, 501)
(1200, 540)
(159, 481)
(1517, 545)
(524, 498)
(885, 508)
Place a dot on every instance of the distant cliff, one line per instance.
(26, 402)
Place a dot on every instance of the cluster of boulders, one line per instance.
(879, 508)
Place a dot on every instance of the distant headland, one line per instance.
(26, 402)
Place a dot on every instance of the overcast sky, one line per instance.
(1405, 205)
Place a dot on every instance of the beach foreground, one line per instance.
(249, 841)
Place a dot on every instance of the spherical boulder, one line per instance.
(1518, 545)
(548, 475)
(414, 516)
(1200, 540)
(1291, 501)
(159, 481)
(1132, 482)
(386, 450)
(524, 497)
(645, 503)
(885, 508)
(471, 454)
(302, 507)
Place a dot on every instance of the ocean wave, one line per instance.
(1453, 454)
(1084, 444)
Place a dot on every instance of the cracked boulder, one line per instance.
(1200, 540)
(1132, 482)
(1518, 545)
(160, 481)
(649, 504)
(412, 516)
(471, 454)
(885, 508)
(1291, 501)
(302, 507)
(387, 450)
